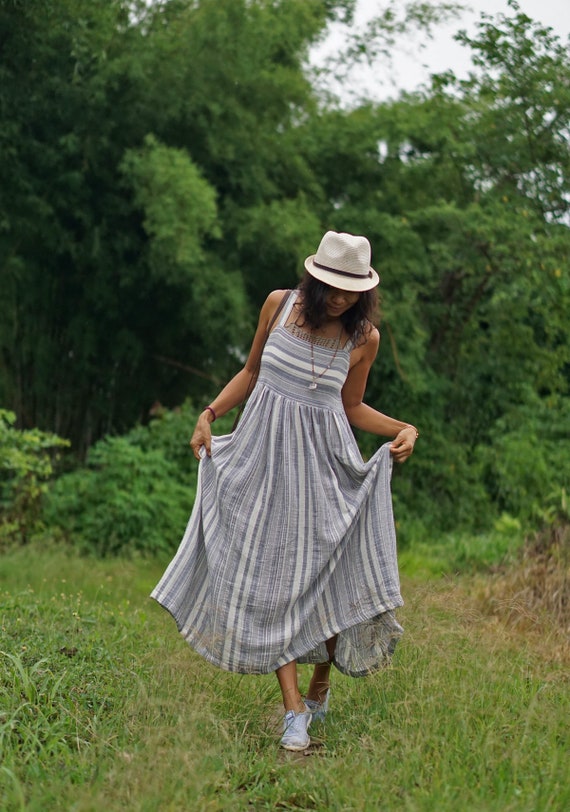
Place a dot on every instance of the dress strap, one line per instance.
(288, 307)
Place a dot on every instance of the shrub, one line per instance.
(440, 490)
(26, 464)
(125, 499)
(134, 493)
(528, 462)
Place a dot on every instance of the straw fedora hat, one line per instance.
(343, 261)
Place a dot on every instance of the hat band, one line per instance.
(342, 273)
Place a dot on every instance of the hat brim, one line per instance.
(339, 280)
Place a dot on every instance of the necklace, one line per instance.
(313, 384)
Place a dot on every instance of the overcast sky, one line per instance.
(411, 67)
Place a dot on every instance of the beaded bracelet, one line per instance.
(409, 426)
(209, 409)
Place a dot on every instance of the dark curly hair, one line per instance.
(357, 320)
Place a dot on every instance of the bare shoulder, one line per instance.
(367, 347)
(274, 298)
(270, 306)
(370, 343)
(372, 338)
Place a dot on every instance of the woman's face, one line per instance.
(339, 301)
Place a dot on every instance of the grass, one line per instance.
(103, 706)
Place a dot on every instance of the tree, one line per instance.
(165, 165)
(474, 184)
(108, 304)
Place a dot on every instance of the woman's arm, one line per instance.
(235, 391)
(365, 417)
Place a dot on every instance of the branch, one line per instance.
(192, 370)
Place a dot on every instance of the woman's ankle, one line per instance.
(292, 700)
(318, 691)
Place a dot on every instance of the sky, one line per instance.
(411, 67)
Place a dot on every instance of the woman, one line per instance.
(290, 555)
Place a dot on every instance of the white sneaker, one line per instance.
(295, 725)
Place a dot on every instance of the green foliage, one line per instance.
(163, 166)
(125, 500)
(452, 552)
(471, 248)
(26, 464)
(276, 235)
(66, 669)
(33, 693)
(525, 104)
(133, 495)
(443, 489)
(100, 318)
(527, 463)
(179, 206)
(102, 703)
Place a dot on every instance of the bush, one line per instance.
(135, 492)
(440, 490)
(450, 486)
(528, 462)
(26, 464)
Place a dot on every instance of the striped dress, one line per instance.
(291, 539)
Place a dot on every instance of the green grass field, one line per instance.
(104, 707)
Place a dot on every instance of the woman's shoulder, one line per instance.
(275, 299)
(368, 335)
(276, 296)
(273, 303)
(372, 335)
(367, 343)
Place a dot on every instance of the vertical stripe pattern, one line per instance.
(291, 539)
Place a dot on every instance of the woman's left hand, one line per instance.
(403, 444)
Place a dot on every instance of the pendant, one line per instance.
(313, 385)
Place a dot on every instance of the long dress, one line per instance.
(291, 539)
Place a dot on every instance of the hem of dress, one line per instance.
(206, 654)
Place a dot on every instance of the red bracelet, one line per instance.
(209, 409)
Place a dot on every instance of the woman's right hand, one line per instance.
(202, 435)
